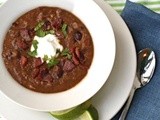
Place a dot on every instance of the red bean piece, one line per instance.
(56, 72)
(22, 45)
(79, 54)
(31, 32)
(43, 71)
(25, 34)
(23, 61)
(48, 78)
(68, 66)
(59, 72)
(57, 23)
(75, 59)
(37, 62)
(35, 72)
(47, 25)
(78, 35)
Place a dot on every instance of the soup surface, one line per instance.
(48, 50)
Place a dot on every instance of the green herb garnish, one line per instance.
(66, 53)
(52, 62)
(45, 58)
(34, 52)
(40, 32)
(51, 32)
(35, 43)
(39, 26)
(64, 29)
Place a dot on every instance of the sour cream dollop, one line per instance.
(47, 45)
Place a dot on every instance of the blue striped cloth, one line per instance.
(118, 5)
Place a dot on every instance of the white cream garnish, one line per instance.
(47, 45)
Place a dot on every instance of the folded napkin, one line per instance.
(144, 26)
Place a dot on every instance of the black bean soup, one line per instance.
(48, 50)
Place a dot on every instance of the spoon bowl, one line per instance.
(146, 63)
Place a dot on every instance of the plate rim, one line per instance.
(111, 110)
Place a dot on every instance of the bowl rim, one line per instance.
(62, 100)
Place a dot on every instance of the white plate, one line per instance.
(113, 94)
(103, 40)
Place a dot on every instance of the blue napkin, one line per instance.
(144, 26)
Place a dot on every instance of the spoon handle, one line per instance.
(127, 105)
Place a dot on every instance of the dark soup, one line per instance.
(48, 50)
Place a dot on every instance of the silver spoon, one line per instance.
(146, 62)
